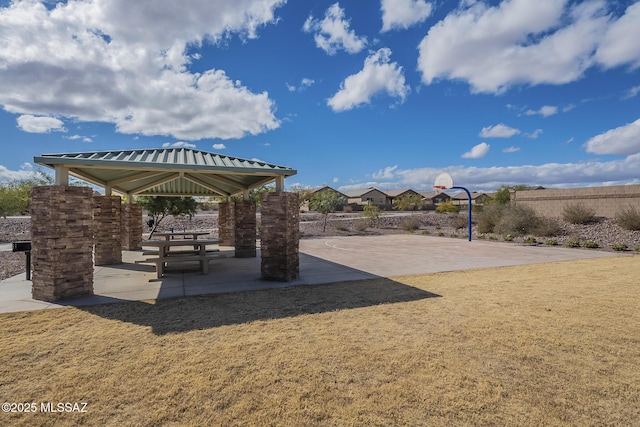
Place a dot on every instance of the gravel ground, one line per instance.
(604, 232)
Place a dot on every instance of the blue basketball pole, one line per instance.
(469, 195)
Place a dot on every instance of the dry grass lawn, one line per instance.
(552, 344)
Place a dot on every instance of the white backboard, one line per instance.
(443, 181)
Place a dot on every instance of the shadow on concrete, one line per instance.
(174, 315)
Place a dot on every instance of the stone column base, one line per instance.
(61, 242)
(245, 229)
(280, 236)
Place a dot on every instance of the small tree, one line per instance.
(159, 207)
(408, 202)
(325, 202)
(503, 195)
(15, 195)
(372, 213)
(304, 194)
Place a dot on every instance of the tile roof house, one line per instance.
(461, 198)
(434, 198)
(363, 196)
(305, 205)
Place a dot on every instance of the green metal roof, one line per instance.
(167, 171)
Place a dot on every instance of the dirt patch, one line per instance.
(548, 344)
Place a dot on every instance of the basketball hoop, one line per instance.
(443, 181)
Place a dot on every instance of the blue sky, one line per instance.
(354, 93)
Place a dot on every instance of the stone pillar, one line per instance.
(107, 230)
(245, 228)
(280, 242)
(226, 224)
(61, 242)
(131, 227)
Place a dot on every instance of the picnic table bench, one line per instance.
(198, 252)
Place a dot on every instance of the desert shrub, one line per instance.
(518, 221)
(493, 238)
(589, 244)
(445, 207)
(573, 243)
(440, 234)
(578, 213)
(481, 236)
(490, 217)
(410, 224)
(426, 232)
(361, 226)
(547, 227)
(459, 222)
(552, 242)
(341, 227)
(508, 238)
(619, 247)
(629, 218)
(530, 240)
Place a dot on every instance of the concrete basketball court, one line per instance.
(322, 260)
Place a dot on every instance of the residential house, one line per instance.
(305, 205)
(398, 194)
(363, 196)
(434, 198)
(462, 198)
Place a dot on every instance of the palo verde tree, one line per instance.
(503, 195)
(325, 202)
(372, 213)
(408, 202)
(159, 207)
(15, 195)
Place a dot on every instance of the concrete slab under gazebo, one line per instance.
(73, 229)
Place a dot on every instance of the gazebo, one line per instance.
(72, 229)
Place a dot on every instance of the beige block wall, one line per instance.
(605, 201)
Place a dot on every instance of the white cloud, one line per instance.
(76, 137)
(219, 146)
(544, 111)
(305, 83)
(402, 14)
(333, 33)
(618, 172)
(524, 42)
(631, 93)
(619, 45)
(511, 149)
(535, 134)
(179, 144)
(621, 140)
(39, 124)
(335, 180)
(477, 151)
(106, 61)
(386, 173)
(25, 172)
(378, 75)
(498, 131)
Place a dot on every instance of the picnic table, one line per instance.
(170, 235)
(198, 252)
